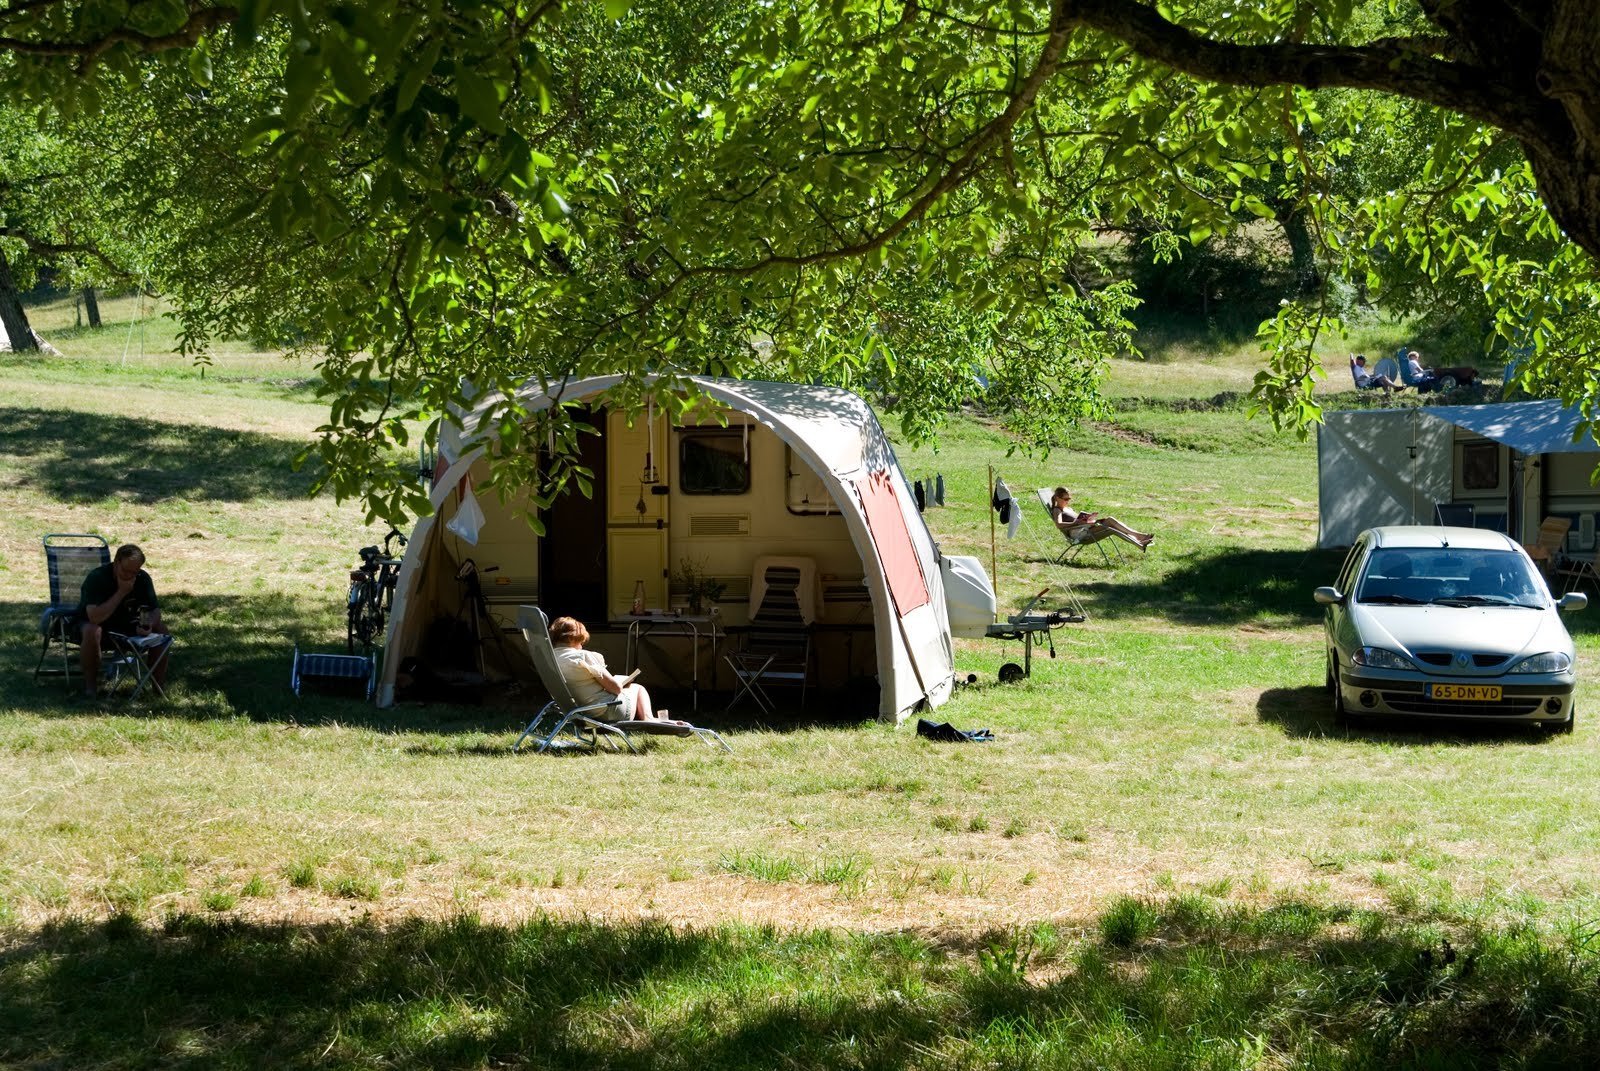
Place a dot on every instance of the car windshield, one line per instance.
(1448, 576)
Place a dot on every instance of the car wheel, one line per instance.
(1447, 382)
(1341, 716)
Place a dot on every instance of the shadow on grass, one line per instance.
(1215, 588)
(1309, 712)
(232, 657)
(1175, 985)
(71, 457)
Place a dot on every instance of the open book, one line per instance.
(623, 682)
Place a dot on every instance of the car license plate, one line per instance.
(1469, 693)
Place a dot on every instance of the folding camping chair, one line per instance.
(1546, 549)
(69, 558)
(586, 724)
(1091, 534)
(1579, 570)
(777, 643)
(133, 659)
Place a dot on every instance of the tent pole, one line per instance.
(994, 571)
(1514, 495)
(1413, 480)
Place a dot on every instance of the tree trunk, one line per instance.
(1302, 252)
(13, 320)
(91, 306)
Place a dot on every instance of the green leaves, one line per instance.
(841, 191)
(479, 98)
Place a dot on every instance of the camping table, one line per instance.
(700, 628)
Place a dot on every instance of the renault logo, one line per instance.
(1462, 658)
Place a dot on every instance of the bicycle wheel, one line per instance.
(352, 635)
(363, 620)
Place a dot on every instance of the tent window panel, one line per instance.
(1480, 466)
(897, 554)
(806, 492)
(713, 462)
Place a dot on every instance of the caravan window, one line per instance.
(712, 461)
(806, 492)
(1480, 466)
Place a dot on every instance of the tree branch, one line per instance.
(1398, 67)
(50, 250)
(197, 26)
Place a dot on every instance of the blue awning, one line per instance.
(1537, 427)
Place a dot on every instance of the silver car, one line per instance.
(1448, 622)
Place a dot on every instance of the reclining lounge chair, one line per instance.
(1091, 534)
(589, 724)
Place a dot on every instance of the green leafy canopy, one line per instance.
(910, 201)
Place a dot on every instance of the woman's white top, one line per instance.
(583, 671)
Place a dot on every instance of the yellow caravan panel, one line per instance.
(636, 543)
(636, 554)
(626, 486)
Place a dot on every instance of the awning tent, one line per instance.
(1392, 466)
(833, 433)
(1529, 428)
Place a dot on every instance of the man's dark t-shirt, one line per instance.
(101, 585)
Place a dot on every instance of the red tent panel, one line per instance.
(887, 523)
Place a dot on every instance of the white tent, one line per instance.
(1514, 461)
(780, 469)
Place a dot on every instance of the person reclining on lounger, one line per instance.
(591, 682)
(1067, 518)
(1366, 380)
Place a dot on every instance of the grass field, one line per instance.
(1170, 856)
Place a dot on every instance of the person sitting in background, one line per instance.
(1366, 380)
(117, 597)
(1419, 377)
(591, 682)
(1066, 517)
(1460, 375)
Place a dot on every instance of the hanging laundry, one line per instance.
(938, 489)
(1006, 507)
(922, 499)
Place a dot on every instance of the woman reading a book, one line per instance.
(1066, 517)
(591, 682)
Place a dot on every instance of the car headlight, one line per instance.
(1379, 658)
(1549, 662)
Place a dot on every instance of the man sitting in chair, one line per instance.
(1366, 380)
(1426, 379)
(1067, 517)
(118, 597)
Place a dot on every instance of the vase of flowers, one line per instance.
(699, 588)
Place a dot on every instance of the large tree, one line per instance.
(58, 212)
(873, 192)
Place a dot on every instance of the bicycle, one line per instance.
(371, 594)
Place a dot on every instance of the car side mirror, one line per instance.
(1572, 600)
(1328, 596)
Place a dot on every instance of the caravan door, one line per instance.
(637, 475)
(572, 554)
